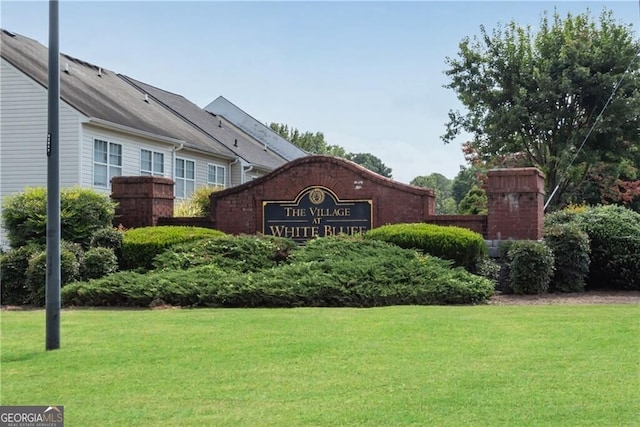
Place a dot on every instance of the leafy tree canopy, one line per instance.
(532, 98)
(314, 143)
(436, 181)
(474, 202)
(442, 187)
(370, 162)
(466, 178)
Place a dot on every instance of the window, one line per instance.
(185, 177)
(151, 163)
(216, 175)
(107, 162)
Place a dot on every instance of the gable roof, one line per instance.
(101, 94)
(223, 107)
(218, 128)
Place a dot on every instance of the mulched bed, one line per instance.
(590, 297)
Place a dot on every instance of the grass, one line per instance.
(437, 366)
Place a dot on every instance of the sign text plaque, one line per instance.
(316, 212)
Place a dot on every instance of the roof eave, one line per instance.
(122, 128)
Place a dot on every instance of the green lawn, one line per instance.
(423, 366)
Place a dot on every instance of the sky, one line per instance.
(368, 75)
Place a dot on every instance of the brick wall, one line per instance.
(203, 222)
(141, 200)
(477, 223)
(515, 199)
(239, 209)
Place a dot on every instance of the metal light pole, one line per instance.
(53, 186)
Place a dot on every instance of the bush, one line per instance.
(464, 247)
(36, 274)
(98, 262)
(13, 267)
(24, 217)
(488, 268)
(83, 211)
(108, 237)
(560, 218)
(530, 267)
(141, 245)
(111, 238)
(570, 247)
(240, 253)
(74, 248)
(198, 204)
(614, 232)
(336, 271)
(131, 289)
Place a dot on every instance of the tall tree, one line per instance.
(442, 187)
(533, 98)
(314, 143)
(466, 178)
(370, 162)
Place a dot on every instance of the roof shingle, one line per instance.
(100, 93)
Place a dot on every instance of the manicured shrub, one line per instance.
(24, 217)
(530, 267)
(570, 247)
(489, 268)
(141, 245)
(560, 217)
(13, 268)
(241, 253)
(108, 237)
(83, 211)
(132, 289)
(614, 232)
(98, 262)
(75, 248)
(324, 272)
(460, 245)
(37, 272)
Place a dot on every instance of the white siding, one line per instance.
(131, 146)
(235, 174)
(201, 164)
(23, 135)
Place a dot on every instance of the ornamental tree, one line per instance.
(535, 98)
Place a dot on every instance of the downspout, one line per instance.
(230, 173)
(244, 173)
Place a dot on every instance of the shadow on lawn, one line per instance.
(20, 357)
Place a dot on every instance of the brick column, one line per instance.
(515, 201)
(142, 200)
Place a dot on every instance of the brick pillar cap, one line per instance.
(515, 171)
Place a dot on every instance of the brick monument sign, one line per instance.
(317, 196)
